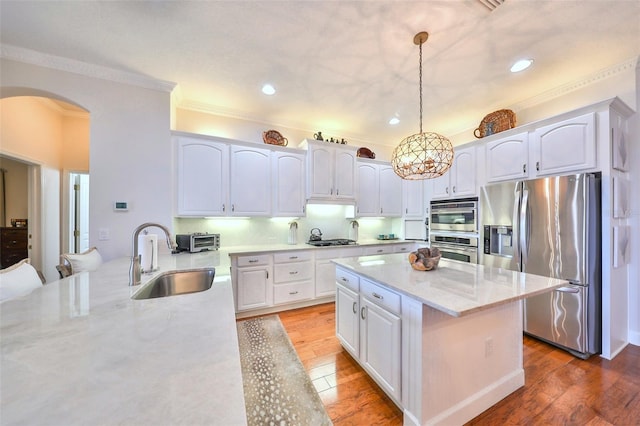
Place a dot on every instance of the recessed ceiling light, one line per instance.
(394, 121)
(521, 65)
(268, 89)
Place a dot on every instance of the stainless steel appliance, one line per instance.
(551, 227)
(331, 242)
(197, 242)
(457, 247)
(454, 215)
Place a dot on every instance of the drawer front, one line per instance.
(378, 250)
(403, 248)
(351, 252)
(348, 279)
(257, 260)
(292, 256)
(327, 253)
(287, 293)
(380, 296)
(296, 271)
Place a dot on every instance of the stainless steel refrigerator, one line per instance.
(551, 227)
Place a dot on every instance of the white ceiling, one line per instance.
(344, 67)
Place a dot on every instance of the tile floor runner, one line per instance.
(277, 390)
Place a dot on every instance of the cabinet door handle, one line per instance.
(267, 272)
(377, 296)
(337, 191)
(233, 207)
(454, 189)
(293, 292)
(331, 192)
(446, 190)
(355, 310)
(293, 272)
(524, 168)
(362, 313)
(224, 208)
(537, 166)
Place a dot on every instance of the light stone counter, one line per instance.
(80, 351)
(455, 288)
(254, 249)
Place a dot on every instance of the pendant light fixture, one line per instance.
(425, 155)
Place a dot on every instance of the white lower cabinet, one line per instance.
(253, 284)
(368, 325)
(293, 277)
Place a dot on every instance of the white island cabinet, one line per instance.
(444, 345)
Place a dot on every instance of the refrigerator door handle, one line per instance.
(524, 231)
(567, 290)
(516, 230)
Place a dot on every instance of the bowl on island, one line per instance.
(424, 259)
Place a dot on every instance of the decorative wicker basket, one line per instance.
(496, 122)
(366, 153)
(273, 137)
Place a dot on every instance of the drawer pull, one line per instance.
(293, 257)
(344, 280)
(380, 250)
(253, 260)
(355, 310)
(293, 272)
(377, 296)
(293, 292)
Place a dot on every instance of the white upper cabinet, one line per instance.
(563, 147)
(413, 199)
(508, 158)
(202, 177)
(460, 180)
(331, 171)
(379, 190)
(289, 175)
(250, 181)
(390, 192)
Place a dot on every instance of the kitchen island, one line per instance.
(80, 351)
(445, 344)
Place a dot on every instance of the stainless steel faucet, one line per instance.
(134, 270)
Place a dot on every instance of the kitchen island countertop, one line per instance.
(453, 287)
(81, 351)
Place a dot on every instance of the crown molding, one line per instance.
(556, 92)
(59, 63)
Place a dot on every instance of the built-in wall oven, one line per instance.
(455, 215)
(457, 247)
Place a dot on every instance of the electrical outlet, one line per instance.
(488, 347)
(103, 234)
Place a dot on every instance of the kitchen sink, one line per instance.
(177, 282)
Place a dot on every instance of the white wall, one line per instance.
(634, 220)
(130, 157)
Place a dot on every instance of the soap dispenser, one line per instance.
(353, 230)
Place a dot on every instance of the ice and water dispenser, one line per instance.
(498, 240)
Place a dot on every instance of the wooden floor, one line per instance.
(559, 390)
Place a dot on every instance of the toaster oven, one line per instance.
(197, 242)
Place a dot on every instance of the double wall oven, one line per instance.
(454, 228)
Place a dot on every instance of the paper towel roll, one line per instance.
(148, 250)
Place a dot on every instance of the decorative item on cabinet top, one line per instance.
(496, 122)
(273, 137)
(366, 153)
(318, 136)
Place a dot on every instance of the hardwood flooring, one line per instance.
(559, 390)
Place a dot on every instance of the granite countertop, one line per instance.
(80, 351)
(453, 287)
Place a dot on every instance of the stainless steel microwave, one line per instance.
(194, 243)
(459, 215)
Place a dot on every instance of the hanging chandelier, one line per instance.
(425, 155)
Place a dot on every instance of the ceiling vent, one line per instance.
(491, 4)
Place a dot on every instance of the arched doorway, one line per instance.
(50, 135)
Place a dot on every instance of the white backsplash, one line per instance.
(332, 220)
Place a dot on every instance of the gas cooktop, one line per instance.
(334, 242)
